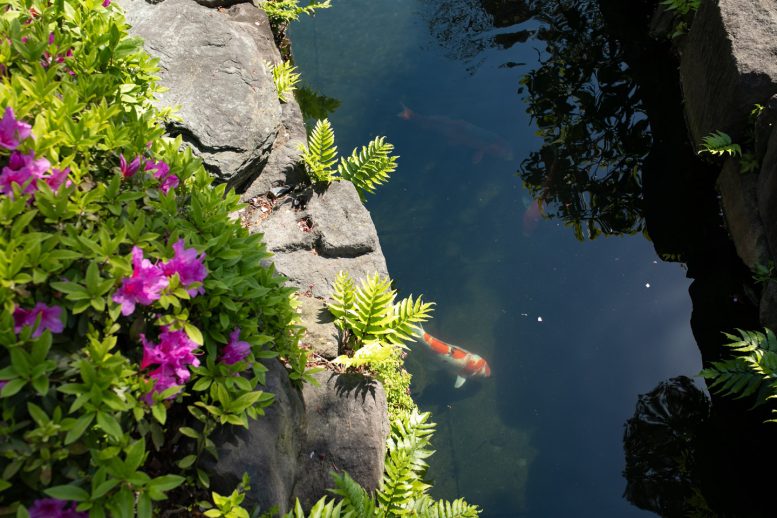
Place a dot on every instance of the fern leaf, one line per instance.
(322, 509)
(719, 143)
(342, 299)
(373, 308)
(320, 155)
(408, 314)
(356, 501)
(285, 77)
(370, 167)
(428, 508)
(368, 354)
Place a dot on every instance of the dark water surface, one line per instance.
(574, 330)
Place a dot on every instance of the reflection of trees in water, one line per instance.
(459, 26)
(591, 119)
(660, 446)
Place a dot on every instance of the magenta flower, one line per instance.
(129, 170)
(188, 266)
(236, 350)
(51, 38)
(173, 355)
(53, 508)
(12, 131)
(58, 178)
(168, 181)
(23, 170)
(143, 287)
(50, 318)
(106, 3)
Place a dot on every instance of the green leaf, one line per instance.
(78, 428)
(109, 425)
(159, 411)
(67, 492)
(194, 333)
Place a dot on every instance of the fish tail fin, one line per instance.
(406, 112)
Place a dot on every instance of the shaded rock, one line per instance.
(740, 205)
(767, 194)
(728, 65)
(347, 431)
(284, 165)
(342, 222)
(213, 62)
(268, 450)
(767, 310)
(220, 3)
(321, 335)
(763, 127)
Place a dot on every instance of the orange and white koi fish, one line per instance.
(466, 363)
(461, 133)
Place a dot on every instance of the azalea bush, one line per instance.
(135, 310)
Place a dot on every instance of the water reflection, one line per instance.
(592, 121)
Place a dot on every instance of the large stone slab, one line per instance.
(214, 64)
(347, 431)
(767, 194)
(268, 450)
(728, 65)
(740, 206)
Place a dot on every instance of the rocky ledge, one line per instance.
(214, 58)
(728, 66)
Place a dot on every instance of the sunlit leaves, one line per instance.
(719, 143)
(285, 77)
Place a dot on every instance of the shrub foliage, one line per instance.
(135, 310)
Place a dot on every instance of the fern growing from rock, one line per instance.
(369, 167)
(285, 77)
(752, 372)
(403, 491)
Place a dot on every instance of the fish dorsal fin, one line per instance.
(459, 381)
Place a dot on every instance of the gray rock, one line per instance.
(284, 165)
(221, 3)
(268, 450)
(310, 272)
(767, 194)
(342, 222)
(283, 230)
(740, 205)
(728, 65)
(213, 62)
(321, 335)
(347, 431)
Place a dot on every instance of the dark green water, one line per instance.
(573, 330)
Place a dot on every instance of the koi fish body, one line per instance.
(461, 133)
(467, 364)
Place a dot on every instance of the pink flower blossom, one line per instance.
(106, 3)
(168, 181)
(173, 355)
(236, 350)
(188, 266)
(51, 38)
(58, 178)
(12, 131)
(50, 318)
(23, 170)
(143, 287)
(53, 508)
(129, 170)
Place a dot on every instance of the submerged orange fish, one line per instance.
(466, 363)
(462, 133)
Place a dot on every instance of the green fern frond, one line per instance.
(324, 508)
(408, 447)
(355, 499)
(407, 315)
(719, 143)
(682, 7)
(368, 354)
(373, 309)
(429, 508)
(342, 299)
(285, 78)
(320, 155)
(370, 167)
(285, 11)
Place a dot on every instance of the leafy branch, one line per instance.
(285, 77)
(719, 143)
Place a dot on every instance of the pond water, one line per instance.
(574, 329)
